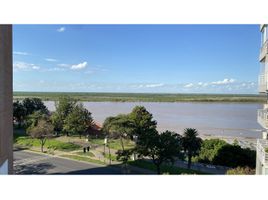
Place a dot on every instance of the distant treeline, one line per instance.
(143, 97)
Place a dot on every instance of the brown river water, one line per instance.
(215, 119)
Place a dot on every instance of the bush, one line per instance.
(234, 156)
(218, 152)
(209, 149)
(241, 171)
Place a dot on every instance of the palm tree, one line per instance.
(191, 143)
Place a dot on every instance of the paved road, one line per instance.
(26, 162)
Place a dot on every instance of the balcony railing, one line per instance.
(262, 145)
(264, 50)
(262, 26)
(263, 82)
(263, 118)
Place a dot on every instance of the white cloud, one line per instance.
(55, 69)
(61, 29)
(63, 65)
(154, 85)
(21, 53)
(79, 66)
(25, 66)
(224, 81)
(35, 67)
(51, 60)
(189, 85)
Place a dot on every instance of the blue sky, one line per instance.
(136, 58)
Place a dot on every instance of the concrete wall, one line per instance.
(6, 96)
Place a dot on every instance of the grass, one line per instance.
(90, 154)
(114, 143)
(82, 158)
(165, 169)
(50, 144)
(142, 97)
(113, 157)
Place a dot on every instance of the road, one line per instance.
(26, 162)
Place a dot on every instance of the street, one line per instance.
(26, 162)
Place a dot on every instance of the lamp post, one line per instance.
(135, 139)
(104, 144)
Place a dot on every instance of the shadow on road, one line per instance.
(105, 170)
(39, 168)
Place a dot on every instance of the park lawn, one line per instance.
(113, 157)
(90, 154)
(114, 143)
(50, 144)
(83, 158)
(165, 169)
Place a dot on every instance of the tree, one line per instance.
(32, 119)
(34, 104)
(120, 126)
(219, 152)
(241, 171)
(19, 112)
(42, 131)
(161, 148)
(191, 144)
(77, 121)
(234, 156)
(209, 149)
(64, 106)
(142, 121)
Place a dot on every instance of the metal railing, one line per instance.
(262, 155)
(263, 117)
(264, 50)
(263, 86)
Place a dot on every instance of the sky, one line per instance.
(136, 58)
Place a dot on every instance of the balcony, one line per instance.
(261, 153)
(262, 26)
(263, 80)
(264, 51)
(263, 117)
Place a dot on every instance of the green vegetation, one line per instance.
(90, 154)
(241, 171)
(165, 169)
(191, 144)
(86, 159)
(266, 150)
(113, 157)
(218, 152)
(142, 97)
(23, 109)
(50, 144)
(78, 121)
(114, 143)
(42, 131)
(209, 150)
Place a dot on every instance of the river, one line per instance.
(220, 119)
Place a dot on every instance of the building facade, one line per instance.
(6, 96)
(262, 144)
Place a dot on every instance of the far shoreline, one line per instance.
(143, 97)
